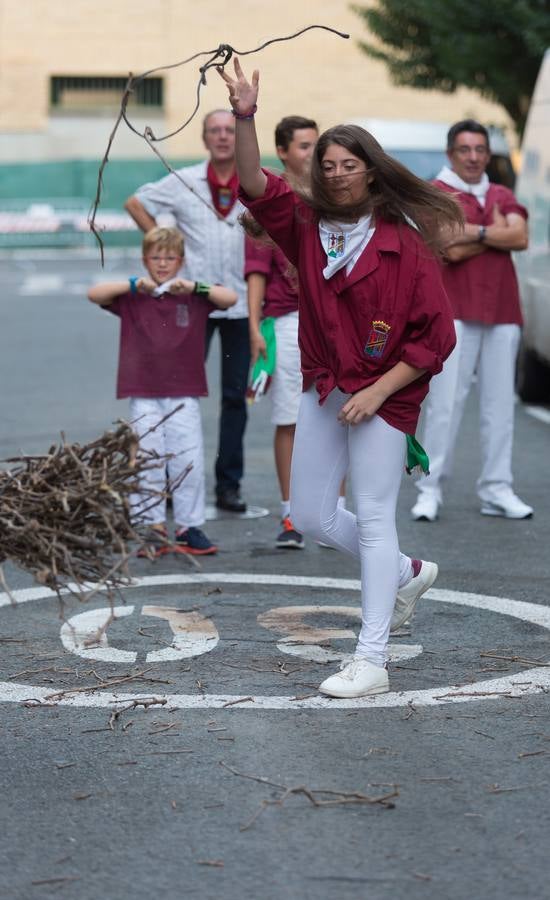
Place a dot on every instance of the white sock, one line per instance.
(341, 503)
(285, 508)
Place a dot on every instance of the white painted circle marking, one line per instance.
(531, 681)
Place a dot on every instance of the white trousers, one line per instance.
(286, 386)
(490, 350)
(180, 437)
(373, 453)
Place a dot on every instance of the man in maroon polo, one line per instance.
(481, 283)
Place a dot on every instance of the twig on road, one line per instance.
(318, 797)
(239, 700)
(111, 682)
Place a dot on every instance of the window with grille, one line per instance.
(81, 93)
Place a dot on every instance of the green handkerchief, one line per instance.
(417, 458)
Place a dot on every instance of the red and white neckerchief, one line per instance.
(479, 190)
(344, 242)
(224, 196)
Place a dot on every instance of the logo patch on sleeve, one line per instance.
(378, 338)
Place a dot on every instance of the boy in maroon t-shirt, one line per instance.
(161, 367)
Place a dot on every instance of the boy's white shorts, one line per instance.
(286, 386)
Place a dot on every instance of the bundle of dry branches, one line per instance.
(65, 516)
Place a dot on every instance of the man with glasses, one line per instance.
(481, 282)
(201, 200)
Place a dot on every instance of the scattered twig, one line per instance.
(162, 729)
(240, 700)
(475, 694)
(318, 797)
(111, 682)
(497, 789)
(167, 752)
(517, 659)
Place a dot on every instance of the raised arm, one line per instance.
(243, 97)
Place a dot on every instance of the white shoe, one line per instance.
(358, 678)
(408, 595)
(426, 508)
(507, 504)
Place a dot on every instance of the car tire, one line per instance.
(532, 377)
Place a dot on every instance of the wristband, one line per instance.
(133, 284)
(201, 290)
(481, 232)
(248, 115)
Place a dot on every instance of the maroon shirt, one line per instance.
(161, 350)
(354, 328)
(484, 288)
(281, 288)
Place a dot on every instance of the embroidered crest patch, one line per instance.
(182, 315)
(224, 197)
(336, 245)
(378, 338)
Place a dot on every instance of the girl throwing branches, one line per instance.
(374, 326)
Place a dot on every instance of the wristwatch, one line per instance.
(481, 232)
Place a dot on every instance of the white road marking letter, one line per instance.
(86, 634)
(303, 638)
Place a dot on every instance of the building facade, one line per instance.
(63, 68)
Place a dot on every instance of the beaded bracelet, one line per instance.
(248, 115)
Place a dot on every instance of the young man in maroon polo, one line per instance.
(273, 294)
(481, 283)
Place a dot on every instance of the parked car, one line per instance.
(533, 265)
(421, 147)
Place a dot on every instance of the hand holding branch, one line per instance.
(242, 95)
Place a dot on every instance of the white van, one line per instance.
(533, 265)
(421, 147)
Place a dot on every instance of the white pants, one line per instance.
(286, 387)
(374, 453)
(490, 350)
(181, 437)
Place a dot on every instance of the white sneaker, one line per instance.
(358, 678)
(426, 508)
(507, 504)
(408, 595)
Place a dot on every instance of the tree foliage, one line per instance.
(494, 47)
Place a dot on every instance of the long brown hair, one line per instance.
(394, 193)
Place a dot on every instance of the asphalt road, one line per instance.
(108, 797)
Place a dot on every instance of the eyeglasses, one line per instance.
(480, 150)
(169, 259)
(219, 129)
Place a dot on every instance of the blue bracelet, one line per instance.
(133, 284)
